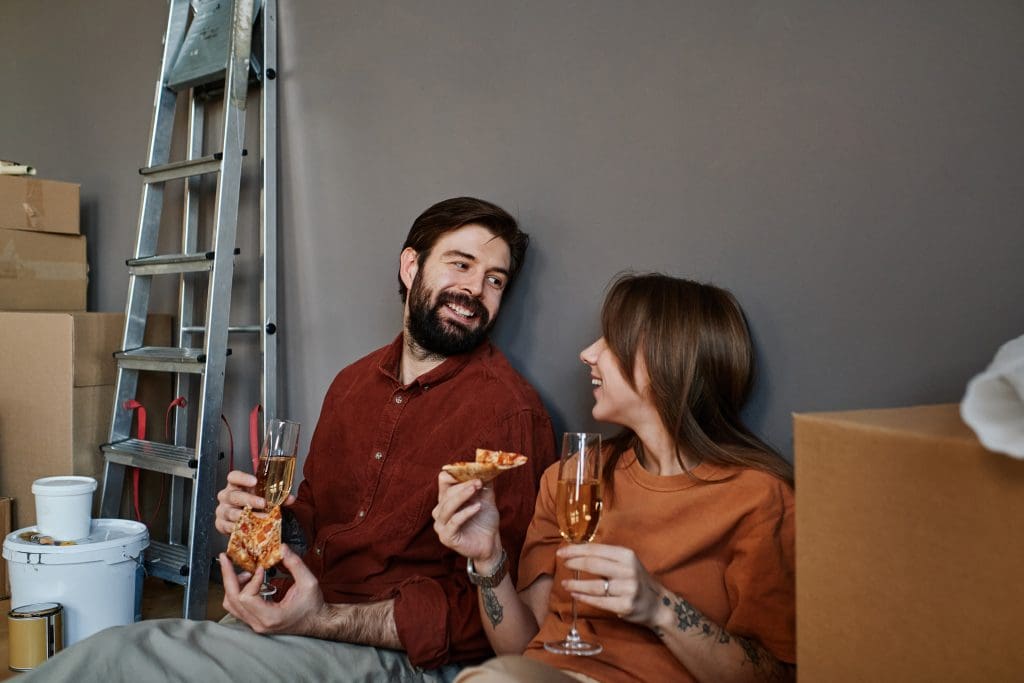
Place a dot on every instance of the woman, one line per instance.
(690, 575)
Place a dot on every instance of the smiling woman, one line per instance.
(690, 575)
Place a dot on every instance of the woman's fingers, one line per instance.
(460, 517)
(453, 498)
(610, 552)
(601, 567)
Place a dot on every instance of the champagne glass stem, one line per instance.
(574, 635)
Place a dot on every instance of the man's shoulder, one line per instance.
(504, 381)
(367, 364)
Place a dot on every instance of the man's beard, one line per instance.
(444, 336)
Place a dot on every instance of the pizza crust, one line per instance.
(489, 464)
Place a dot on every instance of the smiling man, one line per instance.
(375, 596)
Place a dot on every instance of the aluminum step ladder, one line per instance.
(212, 50)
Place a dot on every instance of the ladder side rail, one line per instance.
(218, 310)
(161, 131)
(137, 306)
(186, 308)
(268, 215)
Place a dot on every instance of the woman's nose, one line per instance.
(589, 354)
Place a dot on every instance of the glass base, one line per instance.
(268, 591)
(576, 647)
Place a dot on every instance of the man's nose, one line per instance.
(474, 286)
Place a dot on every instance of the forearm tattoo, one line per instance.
(495, 612)
(688, 618)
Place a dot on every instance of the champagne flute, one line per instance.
(275, 471)
(578, 507)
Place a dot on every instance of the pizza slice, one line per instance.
(256, 541)
(489, 464)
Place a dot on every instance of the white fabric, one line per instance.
(994, 403)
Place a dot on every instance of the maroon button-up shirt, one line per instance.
(371, 482)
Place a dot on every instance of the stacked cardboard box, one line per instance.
(908, 545)
(5, 528)
(57, 395)
(42, 255)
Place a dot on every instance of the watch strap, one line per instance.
(491, 580)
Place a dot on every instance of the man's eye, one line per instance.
(496, 281)
(461, 265)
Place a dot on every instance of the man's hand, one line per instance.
(235, 496)
(300, 611)
(466, 520)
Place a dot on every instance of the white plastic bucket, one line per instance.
(95, 579)
(64, 506)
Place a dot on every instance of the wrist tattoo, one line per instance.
(495, 612)
(688, 617)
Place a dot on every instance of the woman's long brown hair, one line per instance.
(700, 359)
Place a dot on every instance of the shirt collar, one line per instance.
(452, 365)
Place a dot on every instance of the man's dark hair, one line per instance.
(452, 214)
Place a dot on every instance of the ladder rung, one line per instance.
(173, 263)
(233, 329)
(167, 359)
(182, 169)
(179, 461)
(168, 561)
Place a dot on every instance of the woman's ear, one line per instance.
(408, 266)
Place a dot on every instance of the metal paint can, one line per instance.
(34, 634)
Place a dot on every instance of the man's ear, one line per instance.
(408, 266)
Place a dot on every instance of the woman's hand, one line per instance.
(466, 520)
(622, 585)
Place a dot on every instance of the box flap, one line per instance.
(938, 421)
(29, 203)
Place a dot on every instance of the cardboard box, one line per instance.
(57, 393)
(5, 528)
(909, 549)
(29, 203)
(42, 272)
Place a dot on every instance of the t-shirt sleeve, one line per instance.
(760, 582)
(438, 619)
(542, 537)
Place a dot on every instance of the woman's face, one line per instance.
(615, 400)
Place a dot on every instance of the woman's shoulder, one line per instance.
(762, 492)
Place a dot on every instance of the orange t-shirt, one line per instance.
(727, 549)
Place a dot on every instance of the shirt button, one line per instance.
(362, 513)
(398, 399)
(378, 455)
(319, 550)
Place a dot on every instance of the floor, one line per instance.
(159, 599)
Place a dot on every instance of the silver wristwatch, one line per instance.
(494, 578)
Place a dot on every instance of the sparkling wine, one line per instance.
(274, 479)
(578, 507)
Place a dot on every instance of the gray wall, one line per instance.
(853, 171)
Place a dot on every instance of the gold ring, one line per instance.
(606, 588)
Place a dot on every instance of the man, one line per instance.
(376, 596)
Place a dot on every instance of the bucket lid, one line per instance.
(63, 486)
(38, 609)
(109, 540)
